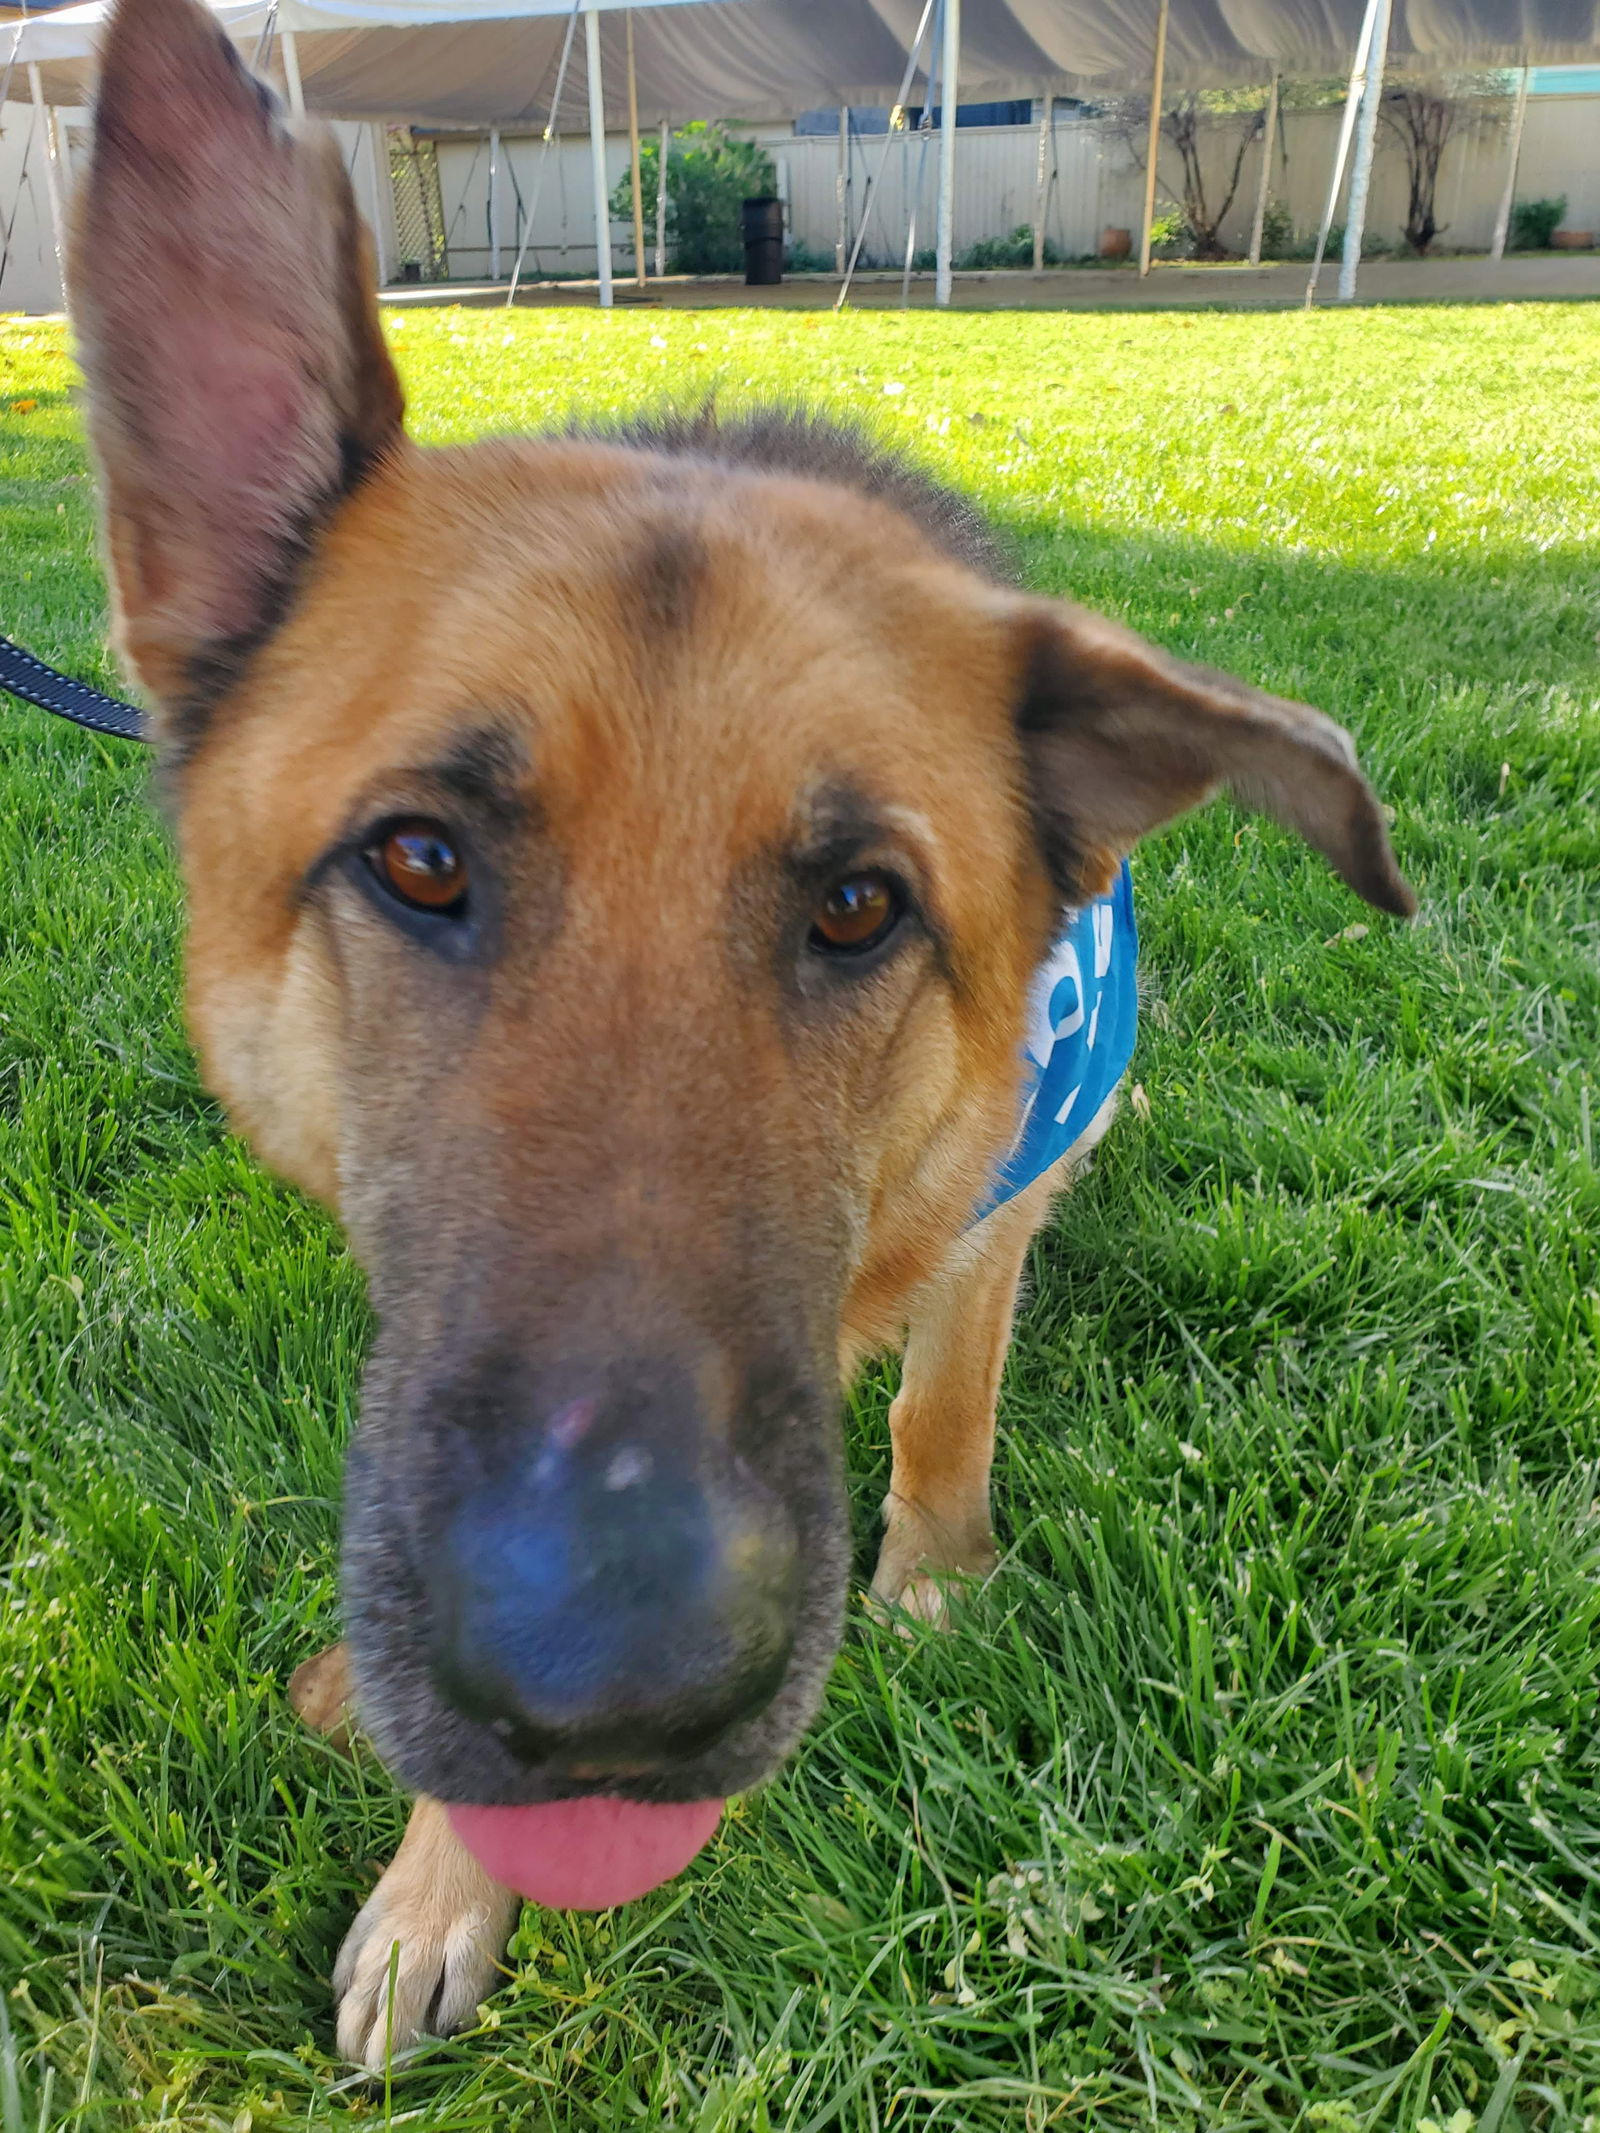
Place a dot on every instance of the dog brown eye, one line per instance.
(857, 914)
(417, 861)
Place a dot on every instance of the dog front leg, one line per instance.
(450, 1923)
(936, 1522)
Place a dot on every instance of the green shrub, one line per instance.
(708, 174)
(803, 260)
(1171, 236)
(1535, 222)
(1013, 251)
(1277, 231)
(1374, 245)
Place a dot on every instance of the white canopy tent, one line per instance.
(492, 63)
(438, 62)
(488, 62)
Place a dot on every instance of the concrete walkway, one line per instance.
(1532, 277)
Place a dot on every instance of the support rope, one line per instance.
(883, 161)
(544, 151)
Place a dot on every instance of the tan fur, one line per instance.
(237, 220)
(268, 789)
(942, 1422)
(424, 1947)
(644, 771)
(663, 670)
(322, 1694)
(434, 1901)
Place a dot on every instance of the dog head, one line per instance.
(616, 870)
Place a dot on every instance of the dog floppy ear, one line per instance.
(1120, 738)
(238, 382)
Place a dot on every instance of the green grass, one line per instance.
(1260, 1789)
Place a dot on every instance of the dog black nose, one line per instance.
(620, 1594)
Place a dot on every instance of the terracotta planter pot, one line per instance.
(1115, 244)
(1572, 240)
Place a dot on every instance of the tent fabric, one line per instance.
(492, 62)
(1021, 47)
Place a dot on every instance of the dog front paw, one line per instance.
(925, 1560)
(322, 1695)
(425, 1948)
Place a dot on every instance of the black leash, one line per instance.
(23, 676)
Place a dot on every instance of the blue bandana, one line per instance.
(1082, 1019)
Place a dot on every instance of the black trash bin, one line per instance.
(761, 222)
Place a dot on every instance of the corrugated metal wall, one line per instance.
(555, 184)
(997, 175)
(30, 281)
(1096, 182)
(1560, 154)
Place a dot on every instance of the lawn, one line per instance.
(1260, 1788)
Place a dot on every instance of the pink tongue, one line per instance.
(585, 1855)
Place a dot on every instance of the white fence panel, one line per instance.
(996, 179)
(996, 187)
(1094, 183)
(1560, 155)
(29, 280)
(555, 183)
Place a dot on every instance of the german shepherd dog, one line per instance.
(618, 869)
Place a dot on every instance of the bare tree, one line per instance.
(1424, 117)
(1185, 125)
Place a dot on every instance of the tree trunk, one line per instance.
(1183, 128)
(1423, 123)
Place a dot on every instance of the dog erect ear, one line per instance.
(238, 382)
(1119, 738)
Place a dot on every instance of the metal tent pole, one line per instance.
(1355, 221)
(912, 188)
(633, 150)
(949, 68)
(869, 191)
(378, 144)
(597, 149)
(914, 195)
(1153, 147)
(1347, 125)
(494, 203)
(841, 193)
(661, 200)
(1502, 220)
(52, 174)
(269, 29)
(532, 207)
(1268, 138)
(8, 226)
(289, 47)
(1041, 181)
